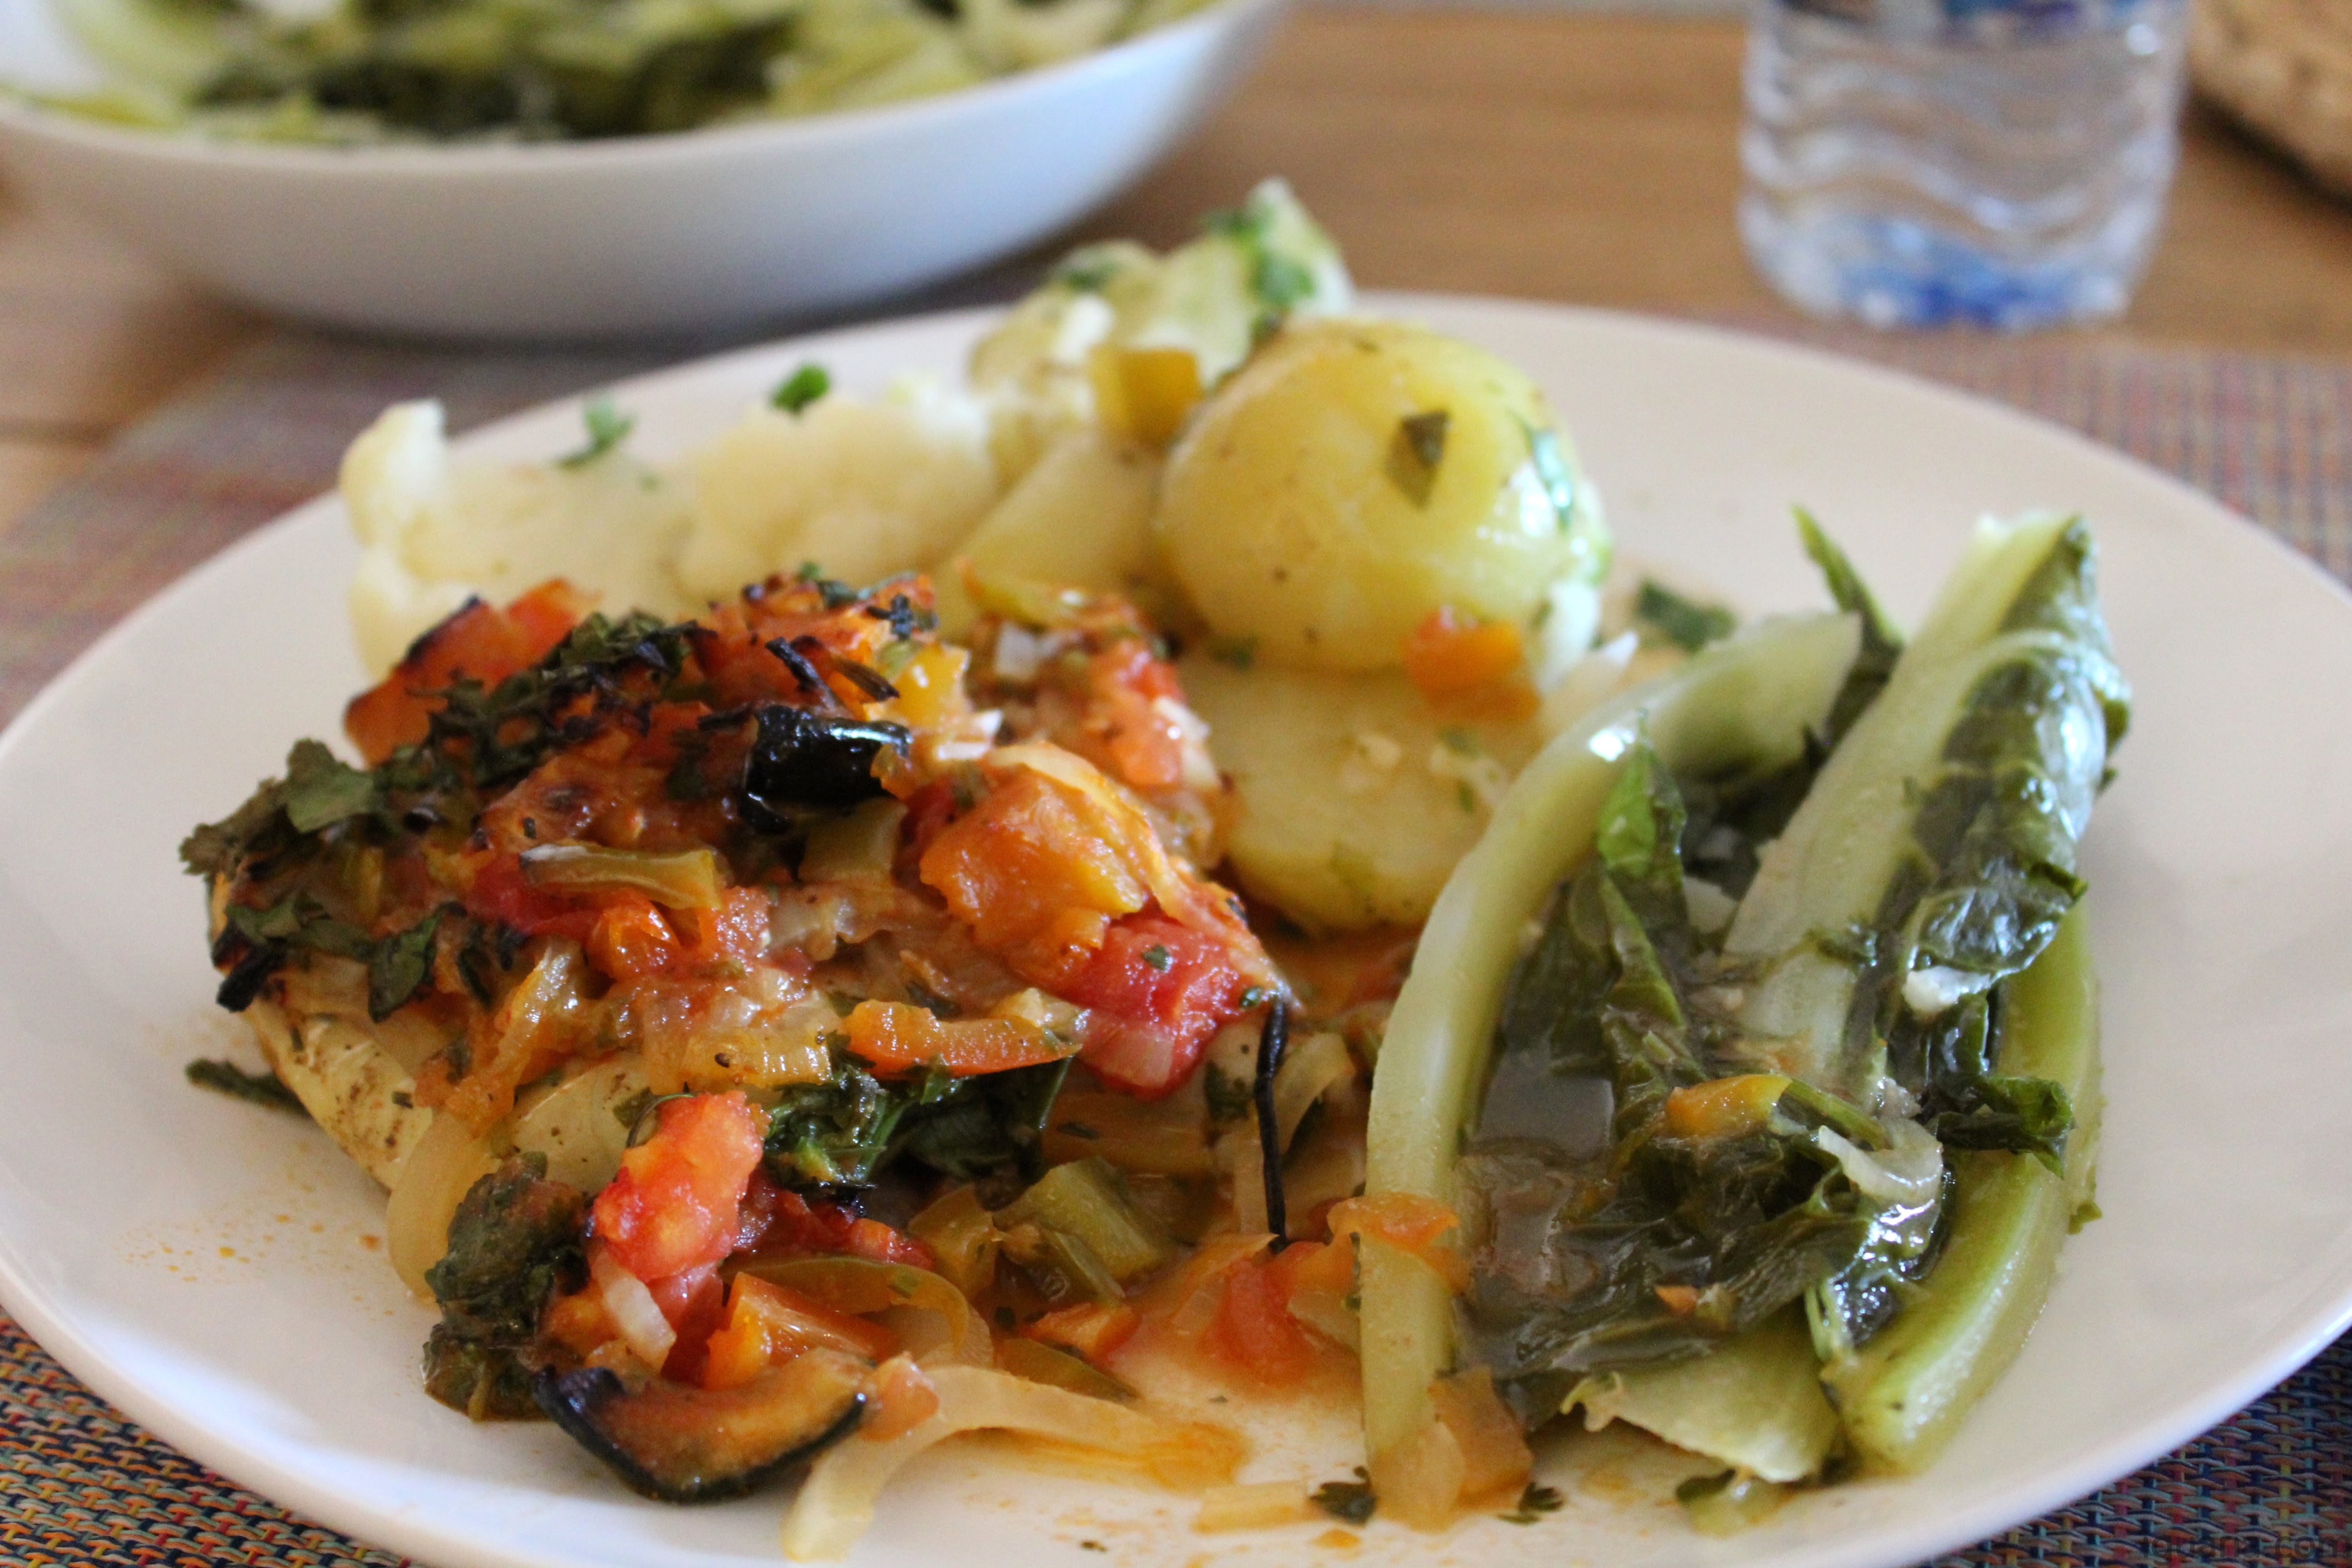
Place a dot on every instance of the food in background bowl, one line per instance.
(735, 224)
(374, 70)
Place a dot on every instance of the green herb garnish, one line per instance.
(607, 429)
(802, 387)
(1349, 1500)
(255, 1088)
(1685, 623)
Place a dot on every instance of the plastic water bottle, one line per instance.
(1923, 163)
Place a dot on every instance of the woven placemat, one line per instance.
(78, 1485)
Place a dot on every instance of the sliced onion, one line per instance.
(836, 1503)
(632, 1306)
(446, 1163)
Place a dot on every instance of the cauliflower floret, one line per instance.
(863, 489)
(432, 532)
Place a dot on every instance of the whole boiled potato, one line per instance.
(1356, 475)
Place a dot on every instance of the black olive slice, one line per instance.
(676, 1443)
(803, 758)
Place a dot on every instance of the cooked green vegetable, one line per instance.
(1086, 1201)
(1793, 1088)
(1936, 853)
(513, 1242)
(1751, 699)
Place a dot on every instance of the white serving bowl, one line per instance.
(698, 230)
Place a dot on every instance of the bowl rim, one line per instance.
(20, 115)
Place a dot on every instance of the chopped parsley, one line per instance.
(256, 1088)
(1349, 1500)
(1685, 623)
(802, 388)
(1239, 653)
(1534, 1504)
(607, 429)
(1415, 453)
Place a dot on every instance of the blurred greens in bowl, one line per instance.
(368, 71)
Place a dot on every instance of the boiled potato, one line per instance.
(1081, 517)
(1357, 475)
(1356, 798)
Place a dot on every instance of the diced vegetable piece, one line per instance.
(1088, 473)
(685, 880)
(1253, 1332)
(962, 1234)
(1256, 1505)
(675, 1202)
(680, 1444)
(857, 847)
(1470, 667)
(1091, 1330)
(898, 1037)
(1144, 393)
(1748, 699)
(475, 642)
(1288, 517)
(1904, 1393)
(1087, 1199)
(768, 1323)
(1161, 1137)
(1495, 1454)
(866, 1286)
(1060, 1369)
(1724, 1107)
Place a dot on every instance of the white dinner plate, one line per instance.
(217, 1270)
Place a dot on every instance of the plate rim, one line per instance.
(417, 1533)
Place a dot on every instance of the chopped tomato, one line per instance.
(1091, 1329)
(1313, 1266)
(695, 1302)
(677, 1199)
(1475, 668)
(792, 1224)
(502, 894)
(1155, 992)
(898, 1037)
(1035, 870)
(631, 939)
(1421, 1226)
(580, 1322)
(1253, 1332)
(1140, 739)
(475, 642)
(879, 1243)
(766, 1324)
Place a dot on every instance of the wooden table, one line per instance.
(1564, 157)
